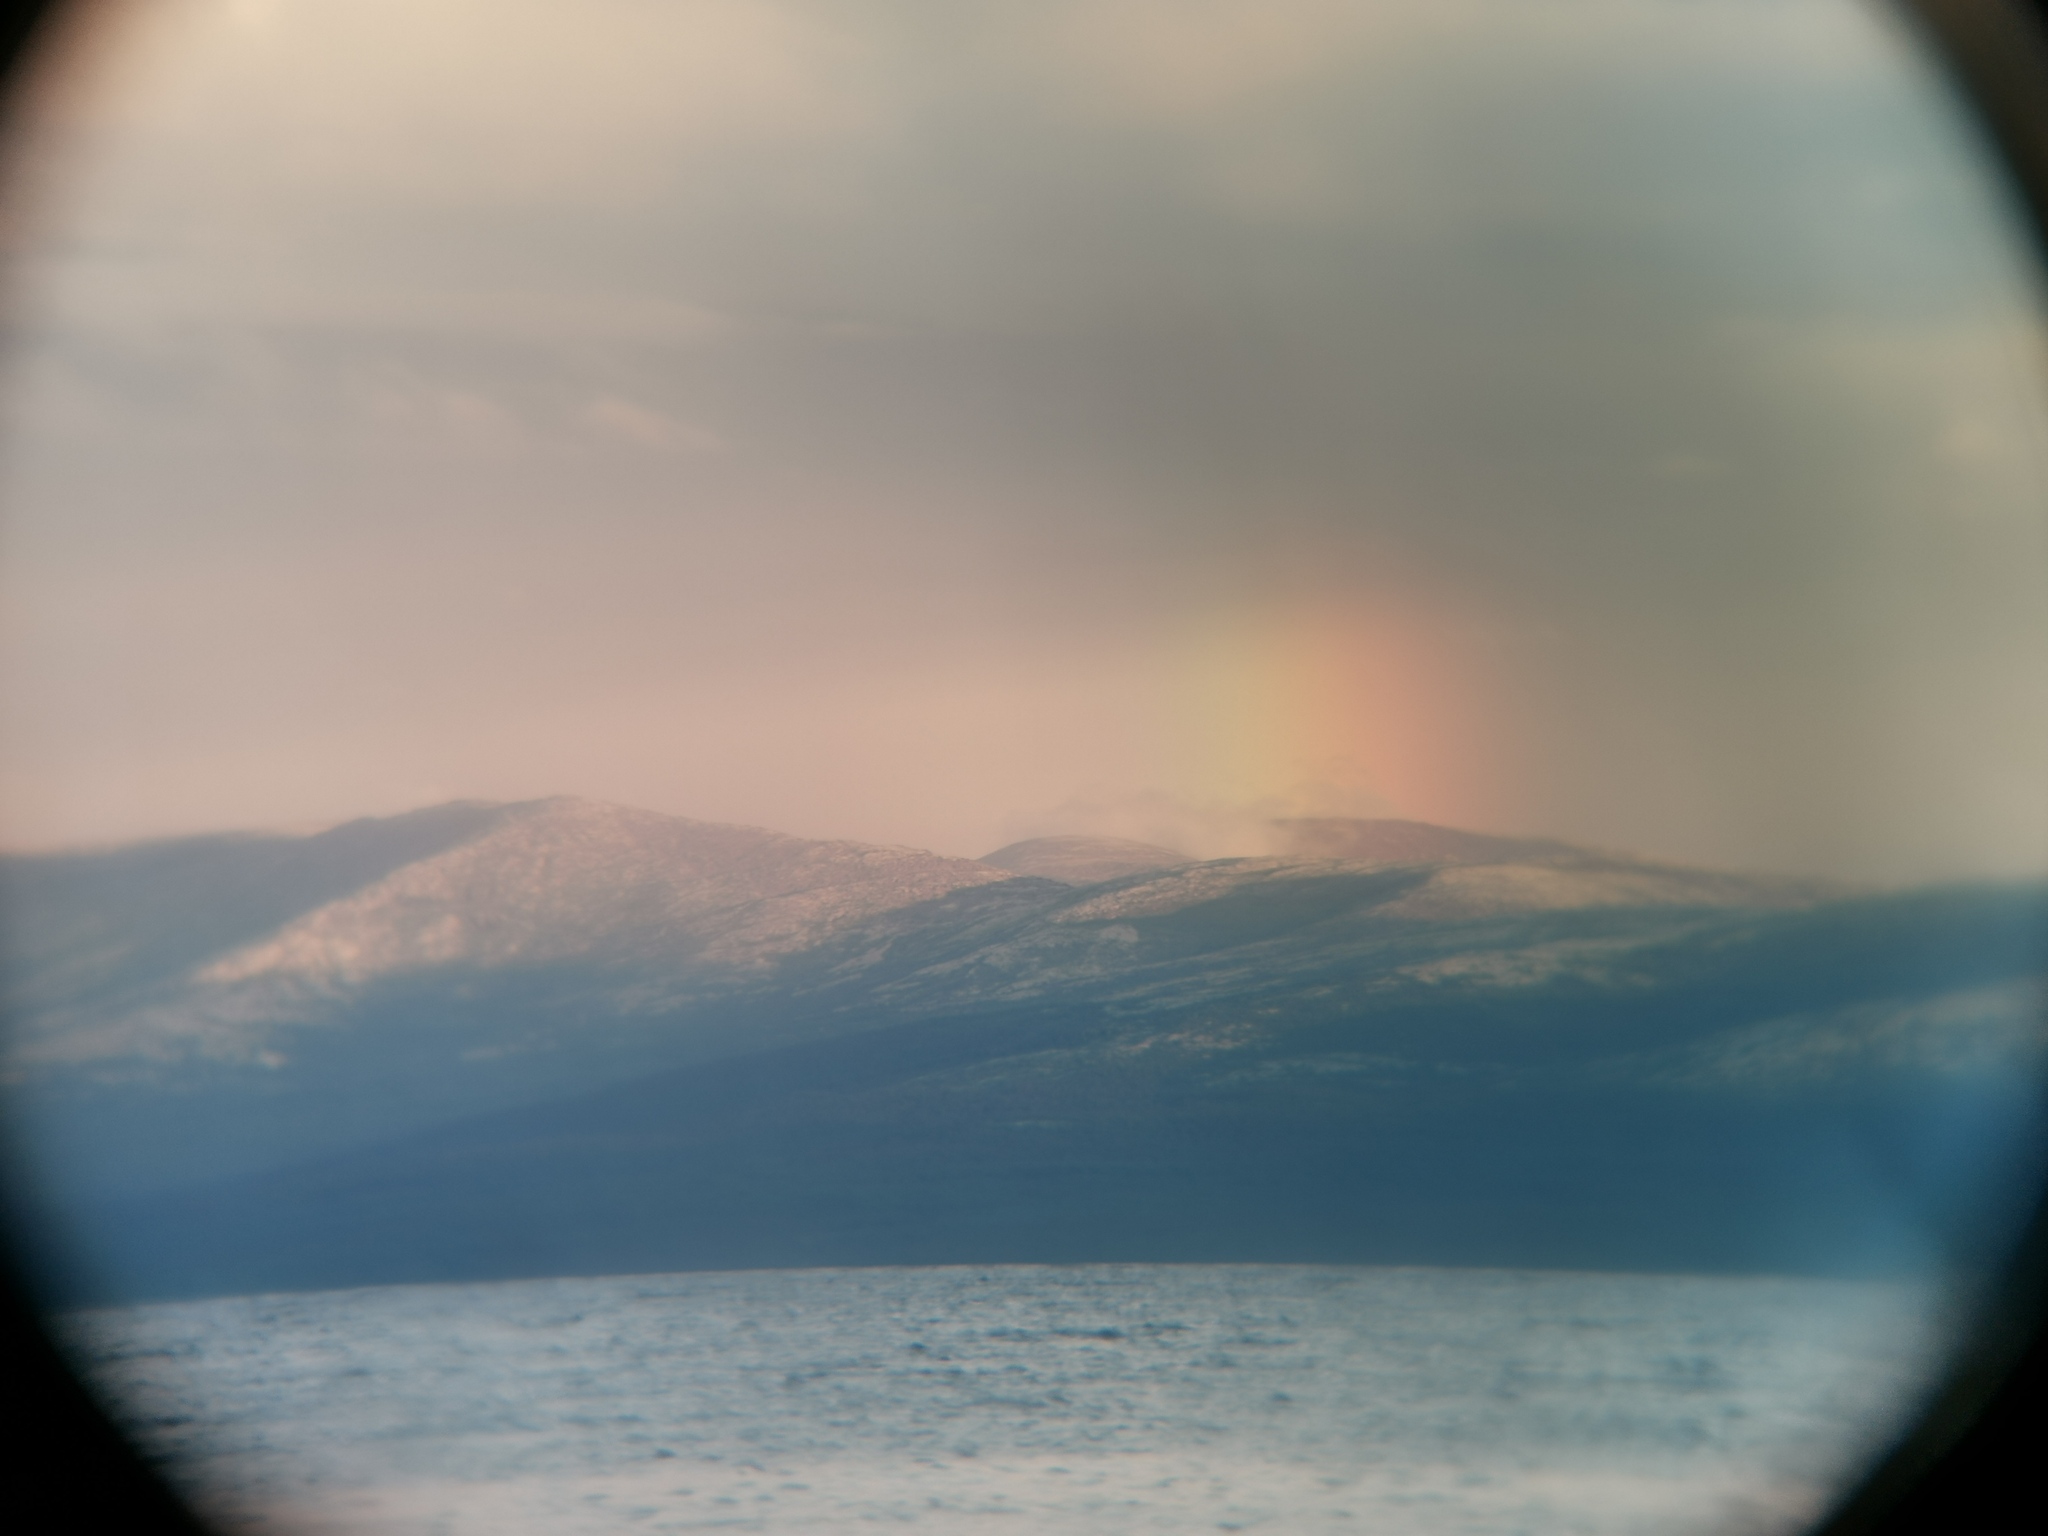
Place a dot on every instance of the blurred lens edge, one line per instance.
(66, 1467)
(1974, 1456)
(1974, 1452)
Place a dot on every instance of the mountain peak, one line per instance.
(567, 876)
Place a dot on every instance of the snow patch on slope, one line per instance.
(570, 878)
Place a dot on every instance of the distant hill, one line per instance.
(1083, 860)
(563, 1037)
(1389, 842)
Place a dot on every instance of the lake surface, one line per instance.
(1112, 1398)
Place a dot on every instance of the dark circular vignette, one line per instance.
(1974, 1452)
(1976, 1449)
(63, 1464)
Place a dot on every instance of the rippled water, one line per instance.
(1083, 1399)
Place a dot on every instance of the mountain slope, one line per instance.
(89, 930)
(1083, 860)
(319, 992)
(695, 903)
(564, 1035)
(1657, 1116)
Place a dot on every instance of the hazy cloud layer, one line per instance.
(1617, 419)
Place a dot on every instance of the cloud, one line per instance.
(411, 406)
(1282, 178)
(1682, 466)
(1180, 59)
(626, 421)
(483, 100)
(1186, 62)
(127, 298)
(1970, 442)
(873, 399)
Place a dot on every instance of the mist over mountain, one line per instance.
(1388, 841)
(563, 1037)
(1083, 860)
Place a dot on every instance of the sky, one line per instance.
(1618, 420)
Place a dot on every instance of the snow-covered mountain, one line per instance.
(209, 947)
(605, 1006)
(487, 888)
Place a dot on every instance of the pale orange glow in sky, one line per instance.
(1345, 708)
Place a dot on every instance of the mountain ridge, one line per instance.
(499, 981)
(701, 905)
